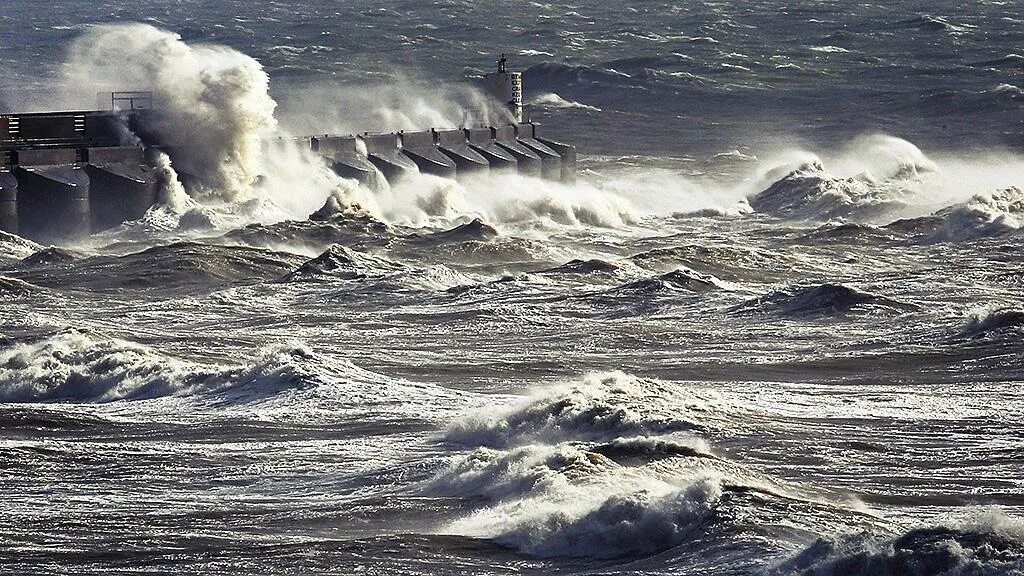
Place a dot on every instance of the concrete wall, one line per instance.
(529, 163)
(454, 144)
(384, 151)
(345, 156)
(63, 175)
(8, 203)
(53, 203)
(421, 148)
(122, 186)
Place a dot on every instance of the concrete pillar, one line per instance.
(421, 148)
(122, 186)
(385, 153)
(8, 203)
(568, 154)
(454, 144)
(528, 162)
(482, 141)
(551, 161)
(53, 195)
(344, 156)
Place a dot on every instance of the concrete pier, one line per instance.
(529, 162)
(385, 152)
(8, 203)
(53, 195)
(66, 174)
(122, 186)
(347, 158)
(421, 148)
(551, 161)
(482, 141)
(455, 145)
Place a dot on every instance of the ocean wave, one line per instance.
(600, 406)
(994, 322)
(341, 262)
(984, 215)
(590, 266)
(16, 287)
(476, 230)
(730, 263)
(435, 278)
(80, 367)
(822, 300)
(1010, 60)
(642, 521)
(646, 448)
(1000, 97)
(811, 193)
(499, 474)
(49, 256)
(552, 100)
(563, 501)
(991, 544)
(301, 236)
(14, 247)
(165, 267)
(682, 279)
(73, 366)
(828, 49)
(927, 23)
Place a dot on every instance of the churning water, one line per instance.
(776, 328)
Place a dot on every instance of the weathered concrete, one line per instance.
(482, 141)
(8, 203)
(347, 160)
(551, 161)
(122, 186)
(568, 154)
(453, 144)
(529, 162)
(384, 152)
(53, 202)
(421, 148)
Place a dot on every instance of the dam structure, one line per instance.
(65, 175)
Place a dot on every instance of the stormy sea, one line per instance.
(775, 327)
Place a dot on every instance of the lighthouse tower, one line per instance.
(507, 87)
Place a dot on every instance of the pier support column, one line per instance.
(53, 196)
(8, 203)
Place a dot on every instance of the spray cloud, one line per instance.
(211, 101)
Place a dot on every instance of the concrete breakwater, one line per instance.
(65, 175)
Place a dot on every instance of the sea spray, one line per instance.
(211, 103)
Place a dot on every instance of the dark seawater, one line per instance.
(776, 328)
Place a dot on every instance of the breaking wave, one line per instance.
(601, 406)
(994, 322)
(822, 300)
(992, 544)
(74, 366)
(78, 367)
(214, 102)
(995, 214)
(552, 100)
(14, 247)
(810, 193)
(343, 263)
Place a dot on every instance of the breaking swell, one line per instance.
(609, 467)
(80, 367)
(989, 543)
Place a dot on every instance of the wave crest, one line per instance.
(985, 215)
(989, 545)
(600, 406)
